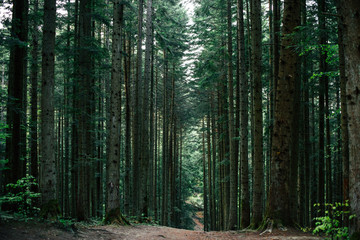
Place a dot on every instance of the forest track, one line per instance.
(36, 231)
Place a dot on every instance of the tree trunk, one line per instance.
(127, 182)
(278, 202)
(256, 34)
(344, 115)
(205, 197)
(322, 83)
(232, 221)
(164, 208)
(145, 150)
(85, 138)
(351, 37)
(137, 195)
(210, 177)
(16, 87)
(113, 158)
(47, 147)
(34, 70)
(306, 119)
(245, 194)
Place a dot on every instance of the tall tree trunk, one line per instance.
(113, 158)
(75, 124)
(214, 145)
(16, 87)
(137, 195)
(156, 172)
(257, 207)
(152, 193)
(278, 202)
(205, 197)
(232, 221)
(67, 70)
(344, 115)
(145, 150)
(351, 37)
(306, 119)
(47, 147)
(127, 182)
(34, 71)
(85, 139)
(322, 83)
(211, 213)
(164, 207)
(245, 194)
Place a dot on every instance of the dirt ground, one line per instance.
(12, 230)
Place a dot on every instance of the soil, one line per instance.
(34, 230)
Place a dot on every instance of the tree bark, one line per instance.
(47, 148)
(85, 114)
(137, 118)
(34, 71)
(232, 220)
(278, 202)
(351, 37)
(113, 160)
(322, 82)
(145, 152)
(244, 118)
(344, 115)
(16, 88)
(257, 208)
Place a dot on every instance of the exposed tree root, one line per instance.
(269, 227)
(50, 210)
(254, 226)
(271, 224)
(247, 230)
(115, 217)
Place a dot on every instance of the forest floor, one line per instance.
(34, 230)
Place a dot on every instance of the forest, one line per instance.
(239, 114)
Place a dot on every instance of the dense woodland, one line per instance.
(246, 109)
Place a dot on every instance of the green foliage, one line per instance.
(330, 224)
(20, 195)
(3, 136)
(66, 222)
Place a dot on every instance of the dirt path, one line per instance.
(36, 231)
(199, 226)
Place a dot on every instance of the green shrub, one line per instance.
(331, 223)
(20, 196)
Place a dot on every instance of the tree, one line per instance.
(232, 221)
(113, 160)
(16, 89)
(137, 197)
(349, 12)
(322, 83)
(278, 202)
(344, 117)
(257, 105)
(145, 159)
(34, 69)
(47, 147)
(85, 106)
(245, 195)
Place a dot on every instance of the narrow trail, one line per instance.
(36, 230)
(198, 216)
